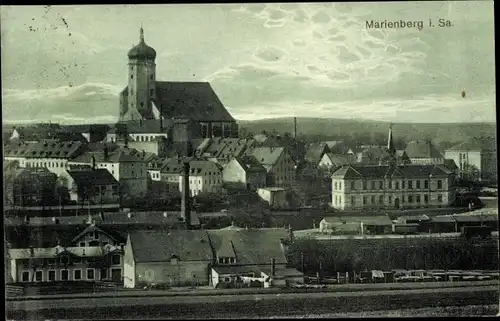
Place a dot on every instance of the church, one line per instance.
(190, 109)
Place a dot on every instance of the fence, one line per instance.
(13, 290)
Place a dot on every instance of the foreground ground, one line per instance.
(247, 305)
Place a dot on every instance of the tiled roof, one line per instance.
(17, 148)
(252, 246)
(55, 149)
(400, 152)
(382, 171)
(189, 100)
(339, 160)
(172, 166)
(450, 164)
(315, 151)
(92, 228)
(160, 246)
(91, 177)
(225, 148)
(266, 156)
(119, 155)
(422, 149)
(250, 164)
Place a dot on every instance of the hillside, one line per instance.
(335, 128)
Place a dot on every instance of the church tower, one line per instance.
(141, 81)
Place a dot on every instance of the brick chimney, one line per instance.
(273, 267)
(185, 206)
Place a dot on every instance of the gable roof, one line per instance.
(223, 148)
(382, 171)
(252, 246)
(160, 246)
(267, 156)
(339, 159)
(189, 100)
(315, 151)
(422, 149)
(250, 164)
(50, 148)
(118, 155)
(100, 176)
(92, 228)
(450, 164)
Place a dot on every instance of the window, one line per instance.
(51, 262)
(364, 185)
(104, 274)
(52, 275)
(64, 260)
(373, 184)
(426, 198)
(418, 198)
(397, 185)
(410, 199)
(440, 198)
(426, 184)
(131, 76)
(96, 235)
(353, 201)
(418, 184)
(390, 199)
(353, 185)
(390, 184)
(364, 200)
(335, 186)
(90, 274)
(403, 185)
(39, 276)
(340, 185)
(410, 184)
(151, 77)
(440, 184)
(64, 275)
(25, 276)
(77, 274)
(380, 185)
(373, 199)
(381, 199)
(151, 91)
(115, 259)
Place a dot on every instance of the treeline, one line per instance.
(311, 256)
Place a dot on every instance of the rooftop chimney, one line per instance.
(185, 206)
(273, 267)
(92, 162)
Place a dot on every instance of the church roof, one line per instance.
(382, 171)
(142, 51)
(422, 149)
(193, 100)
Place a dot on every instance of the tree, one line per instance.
(471, 173)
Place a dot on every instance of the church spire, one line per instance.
(141, 34)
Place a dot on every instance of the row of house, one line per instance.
(169, 257)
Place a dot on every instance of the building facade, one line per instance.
(245, 172)
(358, 187)
(475, 156)
(280, 167)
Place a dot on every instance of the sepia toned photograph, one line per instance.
(260, 160)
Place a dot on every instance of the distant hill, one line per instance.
(335, 128)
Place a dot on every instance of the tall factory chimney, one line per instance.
(294, 127)
(185, 205)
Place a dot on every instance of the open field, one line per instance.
(247, 305)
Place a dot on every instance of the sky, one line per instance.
(68, 63)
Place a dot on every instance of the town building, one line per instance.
(92, 255)
(222, 150)
(244, 172)
(392, 186)
(91, 132)
(36, 133)
(245, 255)
(93, 186)
(315, 152)
(146, 98)
(476, 155)
(51, 154)
(423, 152)
(331, 161)
(276, 197)
(126, 165)
(204, 177)
(278, 163)
(174, 258)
